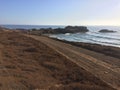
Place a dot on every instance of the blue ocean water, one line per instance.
(32, 26)
(93, 36)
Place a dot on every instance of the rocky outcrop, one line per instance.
(106, 31)
(75, 29)
(68, 29)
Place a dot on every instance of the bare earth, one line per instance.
(40, 63)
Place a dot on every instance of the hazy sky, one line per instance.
(60, 12)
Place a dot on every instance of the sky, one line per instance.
(60, 12)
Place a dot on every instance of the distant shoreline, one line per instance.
(15, 26)
(32, 26)
(94, 30)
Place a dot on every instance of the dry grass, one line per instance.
(34, 65)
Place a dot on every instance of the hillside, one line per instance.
(29, 64)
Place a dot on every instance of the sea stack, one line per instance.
(75, 29)
(106, 31)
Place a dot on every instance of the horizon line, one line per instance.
(56, 25)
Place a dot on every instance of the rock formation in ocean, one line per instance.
(72, 29)
(106, 31)
(68, 29)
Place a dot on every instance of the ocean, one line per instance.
(93, 36)
(32, 26)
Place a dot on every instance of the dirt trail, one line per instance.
(109, 73)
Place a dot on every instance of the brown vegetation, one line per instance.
(32, 65)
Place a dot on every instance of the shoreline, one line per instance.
(104, 49)
(47, 31)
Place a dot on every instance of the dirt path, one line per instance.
(109, 73)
